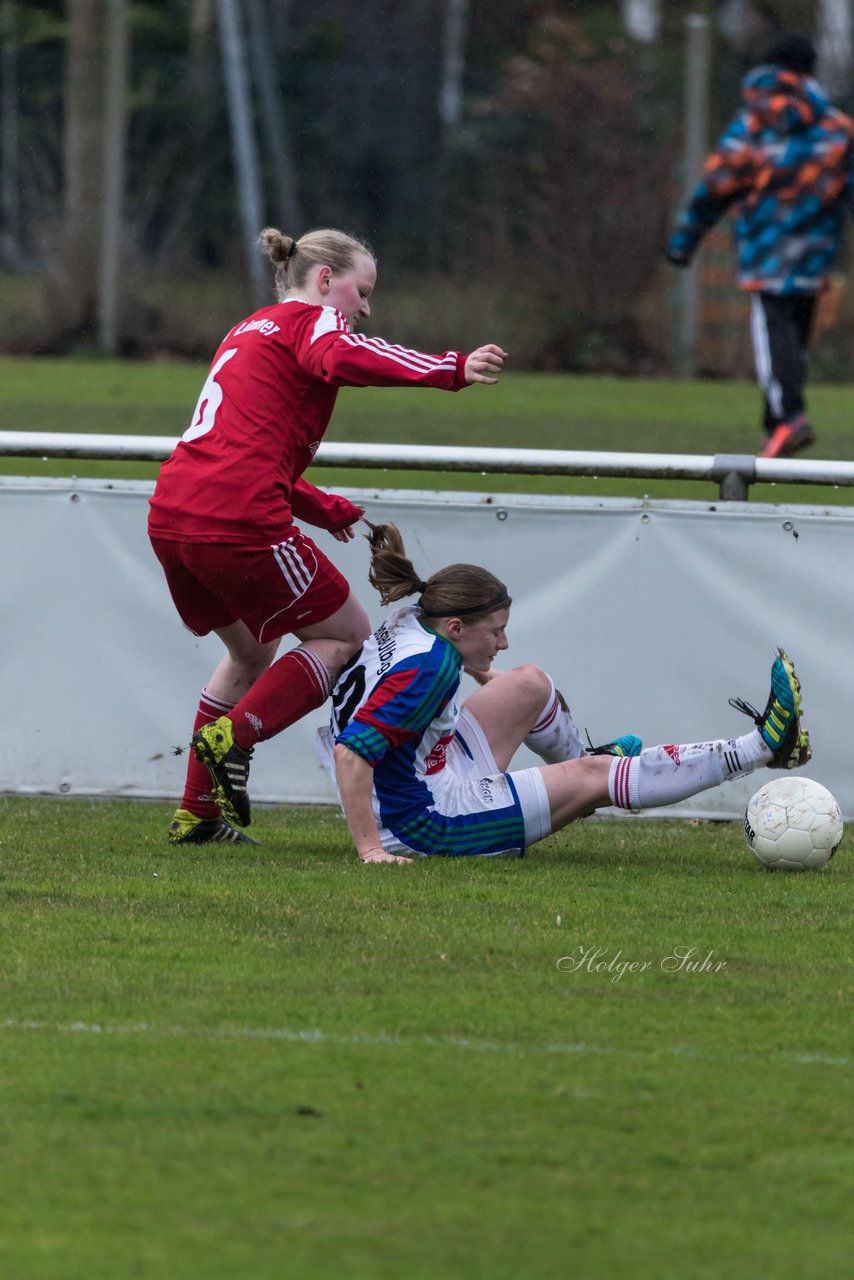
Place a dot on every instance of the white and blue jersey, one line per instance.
(437, 789)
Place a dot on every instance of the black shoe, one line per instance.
(228, 765)
(187, 828)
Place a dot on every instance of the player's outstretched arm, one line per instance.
(355, 779)
(484, 364)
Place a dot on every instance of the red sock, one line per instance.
(294, 685)
(197, 789)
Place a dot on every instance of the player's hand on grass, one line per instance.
(485, 364)
(380, 855)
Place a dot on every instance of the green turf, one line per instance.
(279, 1063)
(549, 411)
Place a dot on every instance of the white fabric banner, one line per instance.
(648, 615)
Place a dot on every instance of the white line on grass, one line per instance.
(381, 1039)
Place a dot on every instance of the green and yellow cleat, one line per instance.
(780, 722)
(188, 828)
(228, 765)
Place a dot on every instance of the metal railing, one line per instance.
(734, 473)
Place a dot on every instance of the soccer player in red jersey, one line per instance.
(223, 513)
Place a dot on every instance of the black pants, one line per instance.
(780, 330)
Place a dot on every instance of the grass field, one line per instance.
(548, 411)
(279, 1064)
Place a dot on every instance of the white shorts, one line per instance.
(475, 806)
(471, 759)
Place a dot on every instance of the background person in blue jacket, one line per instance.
(785, 160)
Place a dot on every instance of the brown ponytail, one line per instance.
(458, 591)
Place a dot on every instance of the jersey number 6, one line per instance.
(209, 401)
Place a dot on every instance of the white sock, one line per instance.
(663, 775)
(554, 737)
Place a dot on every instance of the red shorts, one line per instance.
(275, 590)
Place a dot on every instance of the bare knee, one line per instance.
(339, 652)
(337, 639)
(355, 635)
(253, 668)
(530, 683)
(245, 660)
(334, 654)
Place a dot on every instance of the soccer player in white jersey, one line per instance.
(224, 513)
(419, 772)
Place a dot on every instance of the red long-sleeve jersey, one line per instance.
(264, 409)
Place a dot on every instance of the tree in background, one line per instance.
(76, 264)
(531, 141)
(571, 168)
(31, 105)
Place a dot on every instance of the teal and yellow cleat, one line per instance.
(628, 745)
(780, 722)
(188, 828)
(228, 765)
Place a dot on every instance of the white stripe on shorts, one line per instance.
(294, 569)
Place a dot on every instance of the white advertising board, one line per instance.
(649, 615)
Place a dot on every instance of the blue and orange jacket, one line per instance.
(786, 159)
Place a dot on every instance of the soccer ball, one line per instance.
(793, 824)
